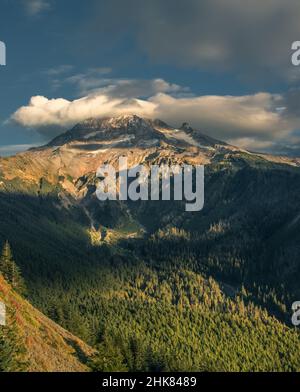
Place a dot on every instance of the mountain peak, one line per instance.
(125, 120)
(131, 122)
(186, 127)
(125, 127)
(129, 130)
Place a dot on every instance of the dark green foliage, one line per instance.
(181, 321)
(10, 270)
(109, 358)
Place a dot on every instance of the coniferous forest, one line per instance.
(208, 292)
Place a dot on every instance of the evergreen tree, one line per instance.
(10, 270)
(108, 359)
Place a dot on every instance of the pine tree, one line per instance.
(10, 270)
(108, 359)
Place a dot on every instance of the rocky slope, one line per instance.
(82, 149)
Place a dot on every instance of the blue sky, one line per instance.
(223, 66)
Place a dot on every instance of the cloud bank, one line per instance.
(43, 112)
(251, 38)
(261, 121)
(36, 7)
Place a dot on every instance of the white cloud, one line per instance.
(251, 144)
(251, 121)
(225, 116)
(96, 80)
(43, 112)
(36, 7)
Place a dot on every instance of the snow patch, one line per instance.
(182, 136)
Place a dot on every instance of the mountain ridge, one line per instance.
(103, 128)
(81, 150)
(95, 137)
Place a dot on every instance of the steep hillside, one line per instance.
(48, 346)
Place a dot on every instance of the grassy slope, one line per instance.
(50, 347)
